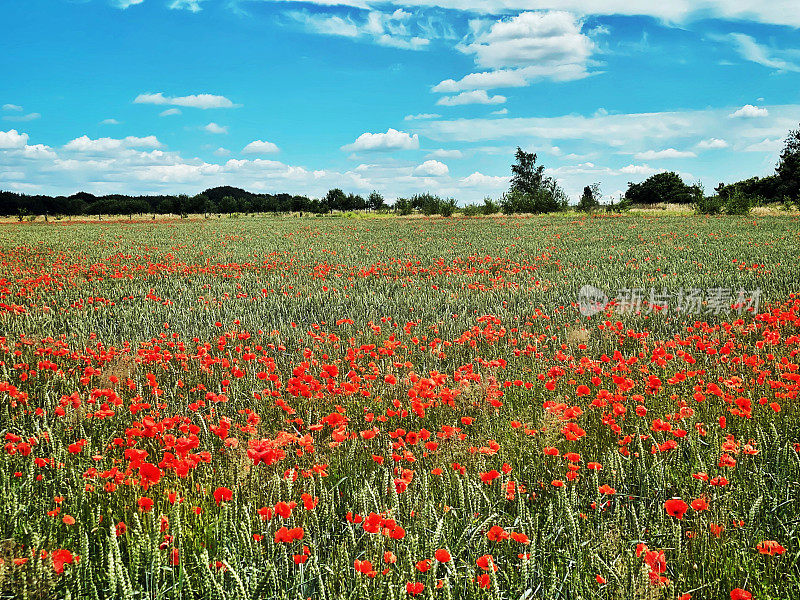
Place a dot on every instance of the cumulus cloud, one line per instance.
(107, 144)
(391, 140)
(109, 122)
(12, 139)
(529, 39)
(431, 168)
(214, 128)
(473, 97)
(640, 170)
(12, 107)
(169, 112)
(748, 111)
(502, 111)
(123, 4)
(479, 179)
(203, 101)
(661, 154)
(712, 143)
(222, 152)
(260, 147)
(519, 50)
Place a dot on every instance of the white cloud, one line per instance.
(748, 111)
(502, 111)
(126, 3)
(445, 154)
(473, 97)
(421, 117)
(190, 5)
(486, 81)
(12, 107)
(385, 29)
(625, 133)
(751, 50)
(203, 101)
(640, 170)
(12, 139)
(260, 147)
(222, 152)
(524, 48)
(778, 12)
(109, 122)
(107, 144)
(661, 154)
(766, 145)
(22, 118)
(531, 39)
(214, 128)
(479, 179)
(391, 140)
(432, 168)
(38, 152)
(712, 143)
(169, 112)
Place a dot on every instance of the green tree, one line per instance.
(590, 199)
(531, 191)
(336, 199)
(788, 169)
(375, 201)
(665, 187)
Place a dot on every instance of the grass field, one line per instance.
(396, 408)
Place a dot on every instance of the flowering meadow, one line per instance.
(388, 408)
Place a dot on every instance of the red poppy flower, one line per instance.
(415, 588)
(676, 507)
(442, 555)
(222, 494)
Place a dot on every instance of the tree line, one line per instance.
(530, 191)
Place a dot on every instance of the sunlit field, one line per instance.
(400, 408)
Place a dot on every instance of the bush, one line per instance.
(738, 204)
(709, 205)
(447, 207)
(490, 207)
(472, 210)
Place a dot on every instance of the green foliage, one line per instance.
(590, 199)
(403, 206)
(709, 205)
(447, 207)
(788, 169)
(661, 188)
(490, 207)
(531, 191)
(375, 201)
(738, 204)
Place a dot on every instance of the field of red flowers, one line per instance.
(386, 408)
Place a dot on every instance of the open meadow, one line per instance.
(389, 408)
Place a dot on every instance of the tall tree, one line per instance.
(788, 169)
(526, 176)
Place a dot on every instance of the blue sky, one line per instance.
(150, 96)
